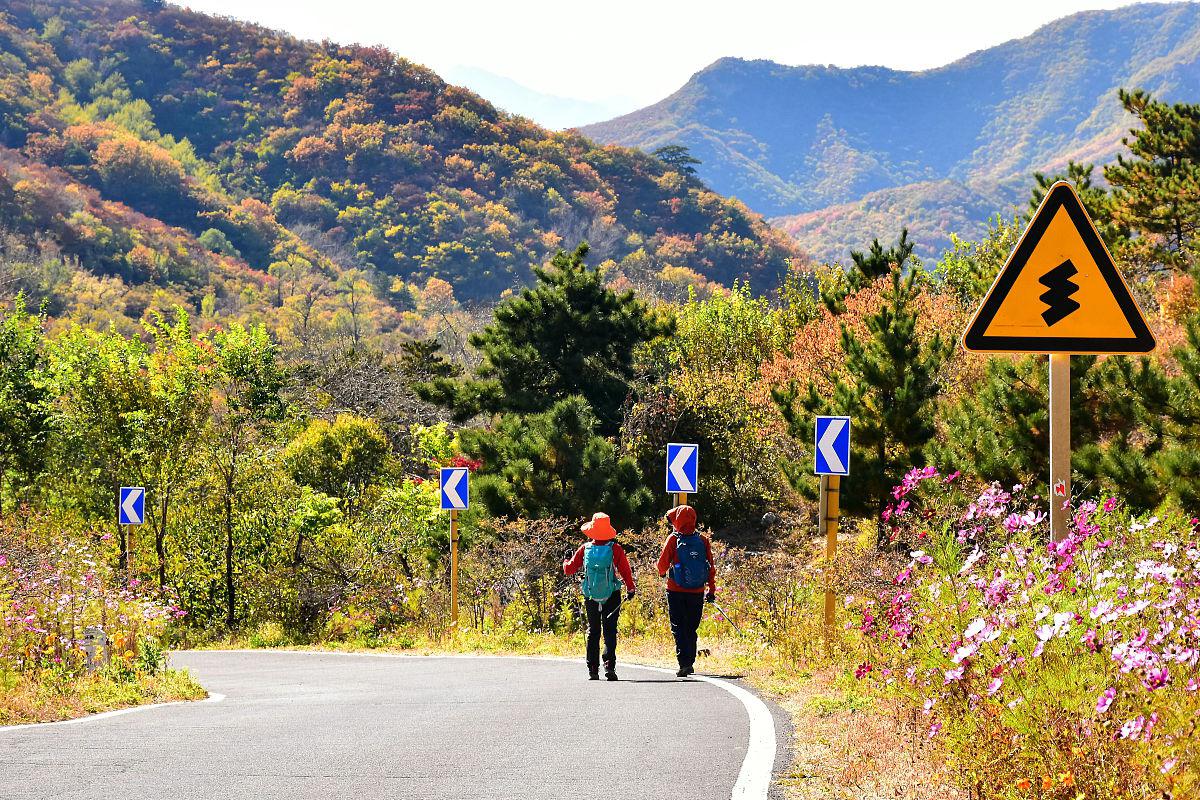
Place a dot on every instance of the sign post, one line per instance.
(454, 566)
(830, 512)
(131, 511)
(831, 460)
(455, 491)
(1059, 293)
(683, 470)
(1060, 444)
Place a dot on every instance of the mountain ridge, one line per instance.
(793, 140)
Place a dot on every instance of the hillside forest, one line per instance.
(280, 284)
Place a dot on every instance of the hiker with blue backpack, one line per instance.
(687, 564)
(601, 560)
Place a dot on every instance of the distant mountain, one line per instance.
(932, 210)
(819, 141)
(552, 111)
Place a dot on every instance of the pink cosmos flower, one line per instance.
(975, 628)
(964, 652)
(1105, 700)
(1156, 678)
(1132, 728)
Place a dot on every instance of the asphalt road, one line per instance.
(324, 726)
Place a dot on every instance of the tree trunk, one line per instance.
(881, 538)
(3, 472)
(230, 596)
(160, 540)
(123, 553)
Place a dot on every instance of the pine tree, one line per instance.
(1157, 188)
(569, 335)
(888, 387)
(1127, 402)
(1096, 199)
(868, 266)
(1000, 431)
(555, 464)
(678, 158)
(1169, 415)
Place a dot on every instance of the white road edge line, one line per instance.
(213, 697)
(754, 778)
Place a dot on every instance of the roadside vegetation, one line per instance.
(289, 429)
(57, 594)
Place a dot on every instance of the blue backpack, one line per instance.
(599, 574)
(691, 567)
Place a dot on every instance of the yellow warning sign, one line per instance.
(1060, 291)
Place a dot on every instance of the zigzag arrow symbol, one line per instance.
(1059, 288)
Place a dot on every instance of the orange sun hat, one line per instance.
(600, 528)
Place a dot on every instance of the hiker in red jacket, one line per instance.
(601, 559)
(687, 564)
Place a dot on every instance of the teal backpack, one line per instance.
(599, 574)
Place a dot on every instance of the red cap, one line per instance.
(682, 519)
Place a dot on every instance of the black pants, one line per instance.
(603, 617)
(685, 610)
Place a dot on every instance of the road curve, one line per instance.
(306, 725)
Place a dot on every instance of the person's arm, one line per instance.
(621, 561)
(712, 569)
(667, 558)
(572, 564)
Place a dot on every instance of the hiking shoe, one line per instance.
(690, 670)
(682, 673)
(611, 675)
(593, 676)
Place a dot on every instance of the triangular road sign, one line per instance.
(1060, 291)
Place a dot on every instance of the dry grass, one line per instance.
(24, 700)
(848, 746)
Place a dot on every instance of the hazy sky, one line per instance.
(641, 50)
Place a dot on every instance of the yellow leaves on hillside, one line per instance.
(682, 280)
(436, 298)
(675, 249)
(312, 149)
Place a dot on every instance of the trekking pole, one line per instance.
(728, 618)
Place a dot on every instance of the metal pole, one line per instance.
(1060, 444)
(129, 571)
(681, 498)
(830, 513)
(454, 567)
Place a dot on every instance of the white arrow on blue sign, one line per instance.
(455, 489)
(833, 446)
(683, 468)
(131, 505)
